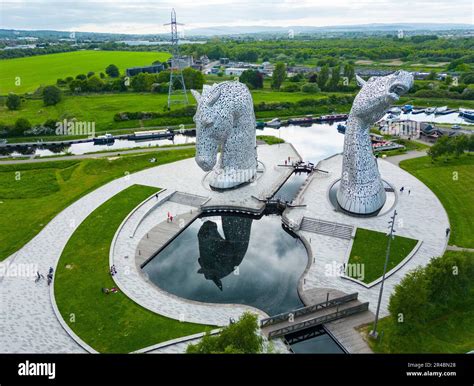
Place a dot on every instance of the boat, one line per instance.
(275, 123)
(393, 117)
(308, 120)
(341, 128)
(260, 125)
(154, 134)
(456, 127)
(467, 115)
(430, 110)
(334, 117)
(407, 109)
(395, 110)
(104, 139)
(417, 111)
(440, 110)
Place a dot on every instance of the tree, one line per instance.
(21, 125)
(90, 74)
(51, 95)
(112, 71)
(252, 78)
(81, 77)
(349, 72)
(13, 102)
(143, 81)
(193, 79)
(310, 88)
(335, 78)
(279, 75)
(240, 337)
(94, 84)
(323, 77)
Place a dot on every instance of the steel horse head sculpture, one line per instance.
(225, 122)
(361, 190)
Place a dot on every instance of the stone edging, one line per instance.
(175, 341)
(57, 313)
(60, 319)
(389, 273)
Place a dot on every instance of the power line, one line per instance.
(179, 94)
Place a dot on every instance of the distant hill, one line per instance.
(224, 30)
(245, 30)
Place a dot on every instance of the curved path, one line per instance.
(421, 216)
(27, 321)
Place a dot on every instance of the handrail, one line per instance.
(283, 317)
(320, 320)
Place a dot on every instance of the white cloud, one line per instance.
(146, 16)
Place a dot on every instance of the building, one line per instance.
(153, 69)
(224, 61)
(237, 71)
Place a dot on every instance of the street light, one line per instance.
(374, 334)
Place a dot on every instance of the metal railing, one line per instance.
(320, 320)
(284, 317)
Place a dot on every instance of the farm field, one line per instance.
(46, 69)
(101, 108)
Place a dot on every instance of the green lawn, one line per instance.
(110, 323)
(46, 69)
(101, 108)
(453, 332)
(453, 184)
(32, 194)
(369, 250)
(270, 139)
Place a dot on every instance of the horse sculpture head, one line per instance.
(378, 94)
(210, 122)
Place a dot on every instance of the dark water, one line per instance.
(313, 340)
(233, 259)
(288, 191)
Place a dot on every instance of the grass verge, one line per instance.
(32, 194)
(110, 323)
(369, 250)
(452, 181)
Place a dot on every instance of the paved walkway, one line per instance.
(27, 320)
(396, 159)
(459, 249)
(134, 283)
(420, 216)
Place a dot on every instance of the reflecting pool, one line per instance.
(233, 259)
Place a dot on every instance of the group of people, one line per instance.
(49, 277)
(113, 270)
(402, 189)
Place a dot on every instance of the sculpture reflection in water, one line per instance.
(220, 256)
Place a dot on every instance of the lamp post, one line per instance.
(374, 334)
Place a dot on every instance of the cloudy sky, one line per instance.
(146, 16)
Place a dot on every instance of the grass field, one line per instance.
(110, 323)
(32, 194)
(453, 332)
(369, 250)
(453, 184)
(101, 108)
(46, 69)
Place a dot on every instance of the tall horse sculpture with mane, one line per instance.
(225, 122)
(361, 191)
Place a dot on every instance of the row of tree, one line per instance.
(455, 145)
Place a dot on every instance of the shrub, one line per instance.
(51, 95)
(112, 71)
(13, 101)
(310, 88)
(291, 88)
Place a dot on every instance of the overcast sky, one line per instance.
(145, 16)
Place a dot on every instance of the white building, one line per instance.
(237, 71)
